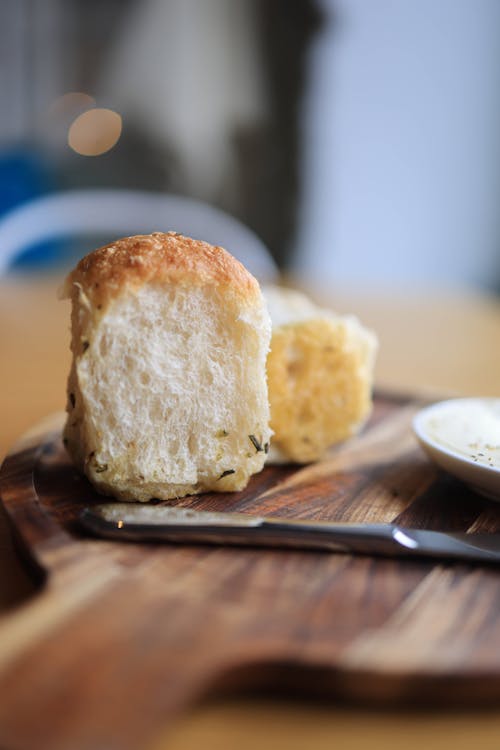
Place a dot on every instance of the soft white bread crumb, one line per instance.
(320, 376)
(167, 393)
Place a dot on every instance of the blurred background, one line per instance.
(359, 139)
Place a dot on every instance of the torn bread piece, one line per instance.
(320, 376)
(167, 392)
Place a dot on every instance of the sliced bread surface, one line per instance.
(320, 376)
(167, 393)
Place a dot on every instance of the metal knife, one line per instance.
(153, 523)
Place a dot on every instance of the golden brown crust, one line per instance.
(159, 257)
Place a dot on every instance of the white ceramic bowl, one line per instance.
(462, 436)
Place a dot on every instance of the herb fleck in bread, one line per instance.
(167, 392)
(320, 374)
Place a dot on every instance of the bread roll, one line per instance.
(320, 374)
(167, 392)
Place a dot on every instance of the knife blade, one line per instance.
(146, 523)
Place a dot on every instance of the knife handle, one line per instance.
(241, 530)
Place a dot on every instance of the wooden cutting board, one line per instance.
(122, 636)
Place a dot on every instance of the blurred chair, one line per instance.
(113, 213)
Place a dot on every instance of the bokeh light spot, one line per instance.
(71, 103)
(94, 132)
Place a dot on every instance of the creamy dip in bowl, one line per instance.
(462, 436)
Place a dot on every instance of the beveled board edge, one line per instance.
(33, 528)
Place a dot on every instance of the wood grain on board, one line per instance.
(121, 636)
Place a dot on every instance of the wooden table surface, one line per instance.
(432, 341)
